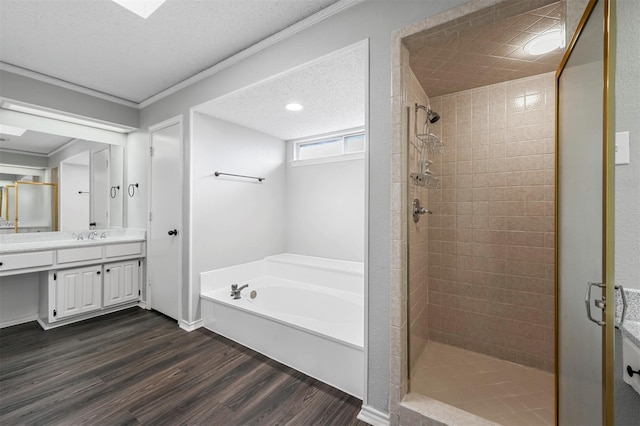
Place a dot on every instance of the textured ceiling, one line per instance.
(485, 47)
(102, 46)
(331, 90)
(32, 142)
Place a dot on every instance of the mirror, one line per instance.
(60, 183)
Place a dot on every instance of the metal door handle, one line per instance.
(599, 303)
(173, 232)
(624, 305)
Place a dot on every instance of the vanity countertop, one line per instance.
(20, 243)
(631, 324)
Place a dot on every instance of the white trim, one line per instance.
(373, 417)
(321, 15)
(66, 85)
(63, 147)
(16, 321)
(178, 119)
(143, 305)
(190, 218)
(340, 133)
(78, 318)
(328, 159)
(367, 128)
(189, 327)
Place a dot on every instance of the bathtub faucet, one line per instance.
(235, 291)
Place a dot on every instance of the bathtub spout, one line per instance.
(235, 291)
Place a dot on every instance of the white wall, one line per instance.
(235, 220)
(325, 209)
(627, 213)
(372, 20)
(74, 207)
(19, 298)
(136, 171)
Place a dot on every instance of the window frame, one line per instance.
(339, 137)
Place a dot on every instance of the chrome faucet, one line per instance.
(92, 235)
(78, 236)
(235, 291)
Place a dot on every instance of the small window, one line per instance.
(319, 149)
(330, 148)
(354, 143)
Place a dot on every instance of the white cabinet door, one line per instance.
(77, 291)
(121, 282)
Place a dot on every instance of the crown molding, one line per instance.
(65, 84)
(261, 45)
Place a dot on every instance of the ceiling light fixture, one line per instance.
(142, 8)
(544, 43)
(11, 130)
(64, 117)
(293, 107)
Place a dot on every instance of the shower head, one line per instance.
(432, 116)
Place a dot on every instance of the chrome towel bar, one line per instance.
(258, 178)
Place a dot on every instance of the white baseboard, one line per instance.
(190, 326)
(17, 321)
(373, 417)
(142, 304)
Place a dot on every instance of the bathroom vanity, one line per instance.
(630, 330)
(77, 278)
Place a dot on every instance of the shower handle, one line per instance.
(418, 210)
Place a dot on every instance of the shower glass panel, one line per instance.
(584, 244)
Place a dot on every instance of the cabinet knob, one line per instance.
(108, 270)
(98, 272)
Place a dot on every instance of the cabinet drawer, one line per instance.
(26, 260)
(129, 249)
(79, 254)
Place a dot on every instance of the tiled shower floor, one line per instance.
(500, 391)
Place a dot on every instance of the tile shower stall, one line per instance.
(481, 265)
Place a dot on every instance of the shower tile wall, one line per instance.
(491, 237)
(418, 232)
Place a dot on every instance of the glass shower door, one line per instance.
(584, 245)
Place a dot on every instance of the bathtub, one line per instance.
(302, 311)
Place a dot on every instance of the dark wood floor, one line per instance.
(138, 367)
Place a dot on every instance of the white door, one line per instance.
(164, 266)
(100, 188)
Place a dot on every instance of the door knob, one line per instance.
(173, 232)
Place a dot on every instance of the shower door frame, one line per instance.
(608, 203)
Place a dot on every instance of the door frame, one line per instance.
(608, 209)
(178, 119)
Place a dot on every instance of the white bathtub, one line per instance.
(307, 313)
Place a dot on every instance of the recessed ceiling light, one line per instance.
(544, 43)
(11, 130)
(293, 107)
(142, 8)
